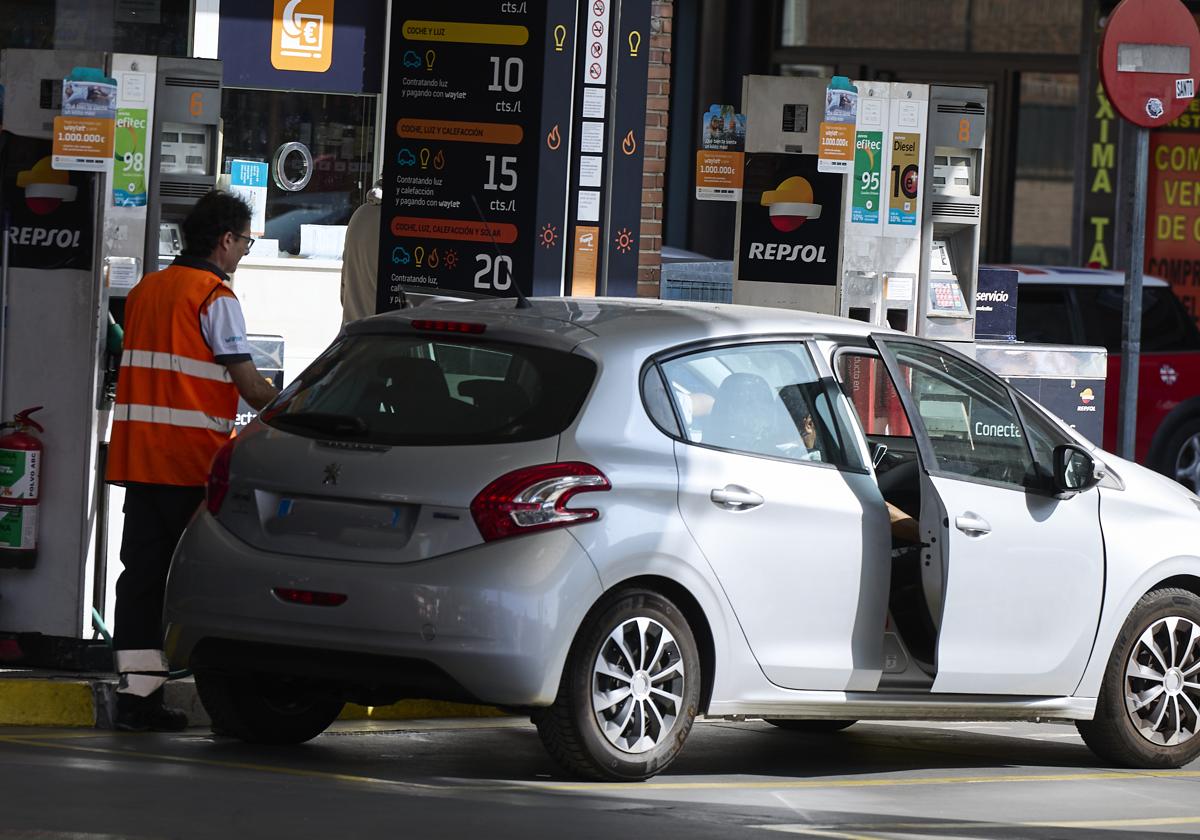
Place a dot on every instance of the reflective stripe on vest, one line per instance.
(172, 417)
(179, 364)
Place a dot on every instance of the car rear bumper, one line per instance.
(496, 620)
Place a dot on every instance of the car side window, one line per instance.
(762, 399)
(972, 423)
(1166, 325)
(658, 402)
(1043, 437)
(1043, 315)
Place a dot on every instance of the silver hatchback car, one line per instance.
(618, 515)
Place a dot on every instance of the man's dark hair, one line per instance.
(214, 215)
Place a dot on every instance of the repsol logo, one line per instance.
(780, 252)
(992, 297)
(44, 237)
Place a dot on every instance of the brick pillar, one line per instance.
(654, 169)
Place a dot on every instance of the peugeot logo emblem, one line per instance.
(332, 471)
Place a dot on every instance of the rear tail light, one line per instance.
(218, 478)
(535, 498)
(449, 326)
(309, 598)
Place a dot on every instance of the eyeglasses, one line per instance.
(249, 239)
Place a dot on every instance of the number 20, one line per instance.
(500, 269)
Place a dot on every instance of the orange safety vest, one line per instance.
(175, 403)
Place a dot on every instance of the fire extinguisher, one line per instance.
(20, 485)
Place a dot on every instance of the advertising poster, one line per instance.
(720, 161)
(129, 158)
(248, 180)
(1173, 214)
(790, 221)
(83, 134)
(461, 158)
(50, 211)
(835, 144)
(905, 179)
(867, 194)
(629, 81)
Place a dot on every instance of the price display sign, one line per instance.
(465, 143)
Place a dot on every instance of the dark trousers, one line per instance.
(155, 516)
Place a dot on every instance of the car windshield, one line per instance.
(417, 391)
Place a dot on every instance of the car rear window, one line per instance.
(417, 391)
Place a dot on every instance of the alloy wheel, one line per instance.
(1162, 682)
(1187, 463)
(638, 685)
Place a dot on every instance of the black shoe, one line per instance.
(144, 715)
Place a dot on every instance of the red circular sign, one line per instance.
(1150, 60)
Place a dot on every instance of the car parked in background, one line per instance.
(616, 515)
(1085, 306)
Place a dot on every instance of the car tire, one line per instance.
(1150, 721)
(265, 709)
(811, 727)
(618, 717)
(1180, 459)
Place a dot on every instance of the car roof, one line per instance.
(1067, 275)
(670, 322)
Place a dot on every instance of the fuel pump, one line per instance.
(954, 158)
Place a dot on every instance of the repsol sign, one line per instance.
(782, 252)
(44, 237)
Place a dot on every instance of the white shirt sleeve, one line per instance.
(224, 329)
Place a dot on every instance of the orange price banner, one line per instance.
(462, 230)
(82, 143)
(720, 175)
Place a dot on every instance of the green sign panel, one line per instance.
(17, 527)
(12, 469)
(129, 164)
(868, 167)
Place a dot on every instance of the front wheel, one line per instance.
(1180, 457)
(629, 692)
(265, 709)
(1148, 711)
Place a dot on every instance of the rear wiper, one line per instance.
(321, 421)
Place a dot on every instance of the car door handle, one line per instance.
(733, 497)
(972, 524)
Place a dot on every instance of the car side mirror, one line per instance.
(1074, 469)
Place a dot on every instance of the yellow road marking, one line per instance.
(846, 831)
(868, 783)
(586, 787)
(209, 762)
(46, 703)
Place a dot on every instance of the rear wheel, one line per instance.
(265, 709)
(814, 727)
(1148, 711)
(629, 692)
